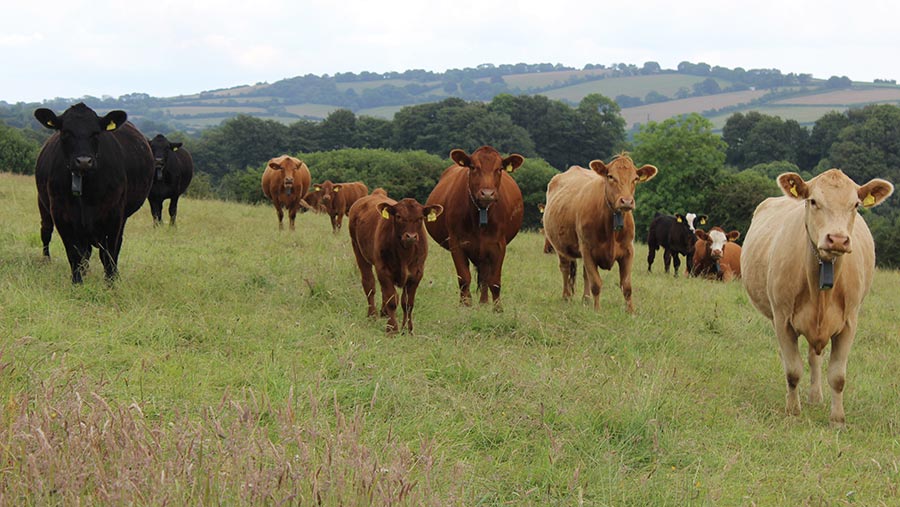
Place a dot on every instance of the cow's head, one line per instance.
(79, 130)
(682, 234)
(832, 200)
(290, 166)
(407, 218)
(161, 148)
(485, 166)
(327, 191)
(716, 239)
(621, 179)
(694, 220)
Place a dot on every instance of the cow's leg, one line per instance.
(463, 276)
(667, 259)
(689, 260)
(815, 375)
(837, 369)
(339, 220)
(791, 362)
(676, 263)
(78, 255)
(408, 301)
(173, 209)
(592, 276)
(334, 223)
(388, 300)
(155, 210)
(368, 279)
(567, 268)
(292, 214)
(46, 228)
(280, 213)
(490, 273)
(651, 256)
(110, 248)
(625, 263)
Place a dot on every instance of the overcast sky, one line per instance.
(73, 48)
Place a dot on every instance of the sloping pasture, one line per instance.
(233, 363)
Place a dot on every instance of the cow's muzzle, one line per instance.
(834, 245)
(84, 163)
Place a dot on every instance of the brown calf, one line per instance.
(390, 236)
(337, 198)
(716, 254)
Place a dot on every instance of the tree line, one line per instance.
(723, 176)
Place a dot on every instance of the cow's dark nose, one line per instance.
(84, 162)
(409, 237)
(837, 242)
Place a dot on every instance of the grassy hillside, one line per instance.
(233, 363)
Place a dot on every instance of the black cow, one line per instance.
(92, 174)
(675, 234)
(174, 169)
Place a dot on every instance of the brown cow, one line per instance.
(807, 265)
(717, 255)
(483, 212)
(588, 216)
(390, 236)
(285, 182)
(338, 197)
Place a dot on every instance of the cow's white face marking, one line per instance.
(689, 218)
(717, 243)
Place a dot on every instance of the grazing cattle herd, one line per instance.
(807, 261)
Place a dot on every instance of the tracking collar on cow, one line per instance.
(826, 269)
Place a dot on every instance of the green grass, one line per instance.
(233, 363)
(634, 86)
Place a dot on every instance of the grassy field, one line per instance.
(634, 86)
(804, 115)
(233, 363)
(664, 110)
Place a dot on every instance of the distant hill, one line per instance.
(648, 93)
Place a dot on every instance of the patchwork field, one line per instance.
(232, 363)
(845, 97)
(664, 110)
(634, 86)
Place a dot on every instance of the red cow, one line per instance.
(483, 212)
(390, 236)
(285, 182)
(337, 198)
(717, 255)
(588, 215)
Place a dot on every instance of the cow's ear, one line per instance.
(274, 166)
(461, 158)
(47, 118)
(701, 235)
(875, 192)
(513, 162)
(541, 207)
(646, 173)
(793, 186)
(385, 209)
(703, 219)
(679, 217)
(317, 188)
(432, 212)
(175, 146)
(599, 167)
(336, 189)
(113, 120)
(733, 235)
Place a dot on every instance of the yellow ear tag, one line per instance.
(432, 216)
(678, 219)
(461, 163)
(111, 126)
(174, 149)
(337, 190)
(509, 168)
(702, 221)
(385, 214)
(869, 200)
(50, 123)
(317, 188)
(794, 191)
